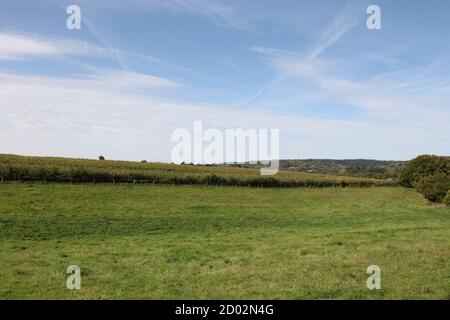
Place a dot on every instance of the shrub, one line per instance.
(423, 166)
(435, 187)
(447, 199)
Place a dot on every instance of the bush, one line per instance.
(447, 199)
(423, 166)
(435, 187)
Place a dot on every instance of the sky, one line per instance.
(138, 70)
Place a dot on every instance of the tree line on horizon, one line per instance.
(361, 168)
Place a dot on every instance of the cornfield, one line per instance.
(50, 169)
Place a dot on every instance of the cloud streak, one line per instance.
(340, 25)
(15, 46)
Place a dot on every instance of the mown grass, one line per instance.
(19, 168)
(199, 242)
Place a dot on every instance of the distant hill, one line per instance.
(362, 168)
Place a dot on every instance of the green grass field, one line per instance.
(200, 242)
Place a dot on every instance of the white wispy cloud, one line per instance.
(338, 28)
(290, 63)
(403, 92)
(220, 12)
(201, 7)
(14, 46)
(118, 78)
(249, 15)
(407, 106)
(395, 94)
(28, 46)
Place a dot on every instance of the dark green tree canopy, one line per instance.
(423, 166)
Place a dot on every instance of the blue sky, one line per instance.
(138, 70)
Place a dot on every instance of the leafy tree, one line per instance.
(101, 157)
(435, 187)
(423, 166)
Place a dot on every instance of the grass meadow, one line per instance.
(144, 241)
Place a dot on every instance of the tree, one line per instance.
(101, 157)
(435, 187)
(423, 166)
